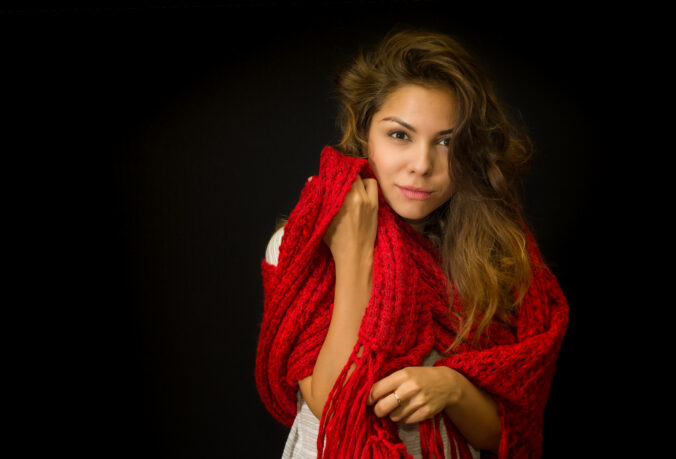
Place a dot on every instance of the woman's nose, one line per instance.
(421, 161)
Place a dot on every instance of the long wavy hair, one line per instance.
(479, 231)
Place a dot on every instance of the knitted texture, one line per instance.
(408, 315)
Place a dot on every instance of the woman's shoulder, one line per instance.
(272, 251)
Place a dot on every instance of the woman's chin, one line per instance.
(410, 212)
(413, 217)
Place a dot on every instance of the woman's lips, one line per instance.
(416, 194)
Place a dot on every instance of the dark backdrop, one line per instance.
(157, 145)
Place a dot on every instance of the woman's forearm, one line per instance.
(475, 414)
(351, 296)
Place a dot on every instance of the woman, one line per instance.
(408, 312)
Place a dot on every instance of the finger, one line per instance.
(371, 186)
(309, 179)
(358, 186)
(385, 386)
(414, 415)
(389, 406)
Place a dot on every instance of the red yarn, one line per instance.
(407, 316)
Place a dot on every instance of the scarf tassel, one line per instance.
(431, 439)
(352, 430)
(345, 430)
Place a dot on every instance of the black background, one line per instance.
(153, 147)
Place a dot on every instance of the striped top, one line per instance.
(302, 440)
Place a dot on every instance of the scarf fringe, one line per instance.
(432, 443)
(352, 430)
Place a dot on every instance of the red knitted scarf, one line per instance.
(407, 316)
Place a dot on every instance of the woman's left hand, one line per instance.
(423, 392)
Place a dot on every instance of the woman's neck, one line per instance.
(418, 225)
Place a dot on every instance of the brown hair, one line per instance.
(479, 231)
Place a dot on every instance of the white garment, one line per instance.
(302, 440)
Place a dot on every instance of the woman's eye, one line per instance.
(398, 135)
(445, 142)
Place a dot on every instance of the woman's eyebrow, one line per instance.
(408, 126)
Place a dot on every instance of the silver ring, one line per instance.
(397, 397)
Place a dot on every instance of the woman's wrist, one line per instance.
(474, 412)
(455, 384)
(355, 269)
(354, 281)
(354, 261)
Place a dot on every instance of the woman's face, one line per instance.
(408, 144)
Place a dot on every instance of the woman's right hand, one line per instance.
(352, 233)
